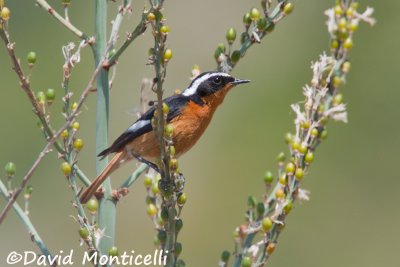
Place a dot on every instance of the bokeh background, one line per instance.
(351, 220)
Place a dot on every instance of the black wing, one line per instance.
(143, 124)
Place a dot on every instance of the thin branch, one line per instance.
(43, 4)
(34, 235)
(139, 30)
(25, 85)
(51, 141)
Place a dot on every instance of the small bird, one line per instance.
(189, 113)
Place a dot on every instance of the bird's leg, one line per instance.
(150, 164)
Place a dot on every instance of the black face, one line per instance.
(213, 84)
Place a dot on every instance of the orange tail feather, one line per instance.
(114, 164)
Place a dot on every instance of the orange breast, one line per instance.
(189, 126)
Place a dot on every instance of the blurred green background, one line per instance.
(351, 219)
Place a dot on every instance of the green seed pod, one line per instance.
(164, 214)
(113, 251)
(235, 56)
(231, 35)
(5, 13)
(151, 210)
(10, 169)
(281, 157)
(309, 157)
(162, 236)
(29, 190)
(288, 207)
(266, 224)
(40, 97)
(167, 54)
(254, 13)
(92, 205)
(260, 209)
(324, 134)
(348, 44)
(247, 19)
(290, 167)
(50, 95)
(268, 177)
(251, 201)
(66, 168)
(288, 8)
(218, 53)
(78, 144)
(168, 130)
(288, 138)
(31, 57)
(299, 173)
(181, 199)
(83, 233)
(164, 29)
(177, 249)
(178, 225)
(225, 256)
(246, 262)
(222, 47)
(262, 23)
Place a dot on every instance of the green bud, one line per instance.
(231, 35)
(266, 224)
(84, 233)
(251, 201)
(235, 56)
(177, 249)
(281, 157)
(225, 256)
(113, 251)
(268, 177)
(10, 169)
(246, 262)
(262, 23)
(50, 95)
(29, 190)
(31, 57)
(260, 209)
(92, 205)
(178, 225)
(247, 19)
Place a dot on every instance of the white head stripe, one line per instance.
(137, 125)
(192, 89)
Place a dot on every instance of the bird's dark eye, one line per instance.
(217, 80)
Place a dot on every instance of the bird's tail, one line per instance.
(111, 166)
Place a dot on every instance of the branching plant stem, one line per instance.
(64, 21)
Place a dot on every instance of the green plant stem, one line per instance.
(134, 176)
(140, 29)
(45, 5)
(107, 208)
(34, 235)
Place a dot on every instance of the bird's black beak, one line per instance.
(238, 81)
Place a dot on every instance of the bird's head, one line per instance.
(212, 85)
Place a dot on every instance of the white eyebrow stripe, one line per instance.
(138, 125)
(192, 89)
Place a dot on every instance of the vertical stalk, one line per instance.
(107, 209)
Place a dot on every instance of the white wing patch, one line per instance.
(138, 125)
(192, 89)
